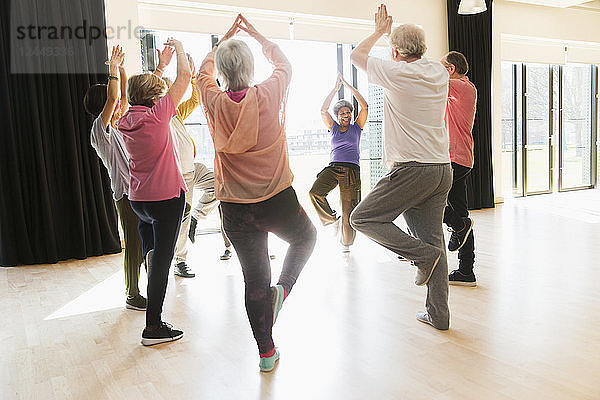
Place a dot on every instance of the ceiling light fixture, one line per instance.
(468, 7)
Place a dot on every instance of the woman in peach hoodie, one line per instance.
(252, 174)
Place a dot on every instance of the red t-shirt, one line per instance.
(153, 155)
(460, 115)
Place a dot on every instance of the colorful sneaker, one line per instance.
(164, 333)
(226, 255)
(267, 364)
(278, 295)
(182, 269)
(458, 239)
(457, 278)
(137, 302)
(424, 273)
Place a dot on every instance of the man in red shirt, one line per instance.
(460, 115)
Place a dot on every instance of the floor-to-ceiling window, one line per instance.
(548, 127)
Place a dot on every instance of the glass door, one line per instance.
(577, 142)
(537, 128)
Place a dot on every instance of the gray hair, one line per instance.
(409, 40)
(235, 64)
(340, 104)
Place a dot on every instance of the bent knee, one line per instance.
(358, 218)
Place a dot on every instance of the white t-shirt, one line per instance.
(110, 147)
(415, 96)
(185, 146)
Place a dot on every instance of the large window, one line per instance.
(548, 127)
(315, 68)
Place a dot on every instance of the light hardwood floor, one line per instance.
(530, 330)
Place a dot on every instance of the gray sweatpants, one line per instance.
(419, 192)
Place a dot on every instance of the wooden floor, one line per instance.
(530, 330)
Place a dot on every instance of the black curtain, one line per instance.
(55, 197)
(472, 36)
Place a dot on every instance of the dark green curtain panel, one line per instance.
(55, 197)
(472, 36)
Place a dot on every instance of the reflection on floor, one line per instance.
(530, 330)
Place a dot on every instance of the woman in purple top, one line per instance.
(344, 168)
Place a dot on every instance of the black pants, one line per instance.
(247, 226)
(347, 175)
(455, 214)
(159, 227)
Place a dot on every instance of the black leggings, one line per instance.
(247, 226)
(159, 227)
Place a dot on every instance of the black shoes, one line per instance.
(192, 232)
(457, 278)
(161, 334)
(182, 269)
(137, 302)
(226, 255)
(458, 239)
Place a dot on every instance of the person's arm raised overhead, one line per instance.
(164, 59)
(325, 115)
(112, 91)
(283, 67)
(207, 88)
(184, 74)
(187, 107)
(123, 105)
(383, 25)
(364, 106)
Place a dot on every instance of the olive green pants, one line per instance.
(133, 246)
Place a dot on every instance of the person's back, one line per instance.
(460, 116)
(251, 160)
(415, 96)
(416, 150)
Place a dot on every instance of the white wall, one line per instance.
(529, 33)
(325, 20)
(124, 13)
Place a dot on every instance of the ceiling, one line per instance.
(595, 4)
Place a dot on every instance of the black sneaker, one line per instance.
(458, 239)
(457, 278)
(137, 302)
(192, 232)
(164, 333)
(226, 255)
(182, 270)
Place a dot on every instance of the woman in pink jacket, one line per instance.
(252, 174)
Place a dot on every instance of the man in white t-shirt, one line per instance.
(415, 147)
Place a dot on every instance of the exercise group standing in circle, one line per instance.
(429, 110)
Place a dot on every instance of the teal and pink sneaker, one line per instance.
(267, 364)
(278, 296)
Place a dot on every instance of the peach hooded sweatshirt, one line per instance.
(251, 157)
